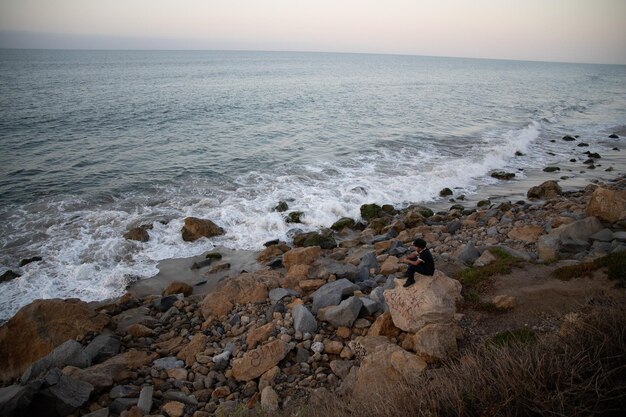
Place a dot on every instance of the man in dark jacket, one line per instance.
(420, 261)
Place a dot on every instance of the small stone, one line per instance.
(317, 347)
(269, 399)
(174, 409)
(179, 374)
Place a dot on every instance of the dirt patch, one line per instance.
(541, 301)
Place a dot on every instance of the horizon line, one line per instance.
(156, 49)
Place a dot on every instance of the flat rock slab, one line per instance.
(256, 362)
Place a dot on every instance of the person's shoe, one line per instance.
(409, 282)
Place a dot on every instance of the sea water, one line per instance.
(96, 142)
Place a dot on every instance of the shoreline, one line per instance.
(578, 176)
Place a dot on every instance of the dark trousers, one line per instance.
(419, 268)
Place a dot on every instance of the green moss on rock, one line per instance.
(370, 211)
(343, 223)
(294, 217)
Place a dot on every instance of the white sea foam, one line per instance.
(86, 256)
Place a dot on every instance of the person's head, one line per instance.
(419, 243)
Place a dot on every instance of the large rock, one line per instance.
(526, 234)
(139, 234)
(332, 293)
(384, 363)
(255, 363)
(243, 289)
(383, 326)
(303, 320)
(42, 326)
(467, 253)
(607, 205)
(547, 190)
(178, 287)
(390, 266)
(576, 234)
(69, 353)
(436, 342)
(196, 345)
(431, 300)
(112, 370)
(195, 228)
(343, 314)
(104, 346)
(340, 270)
(70, 393)
(301, 256)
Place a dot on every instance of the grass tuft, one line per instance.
(511, 337)
(615, 263)
(476, 280)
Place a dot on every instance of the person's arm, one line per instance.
(413, 259)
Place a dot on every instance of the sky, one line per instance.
(589, 31)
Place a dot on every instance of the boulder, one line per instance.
(383, 326)
(301, 256)
(277, 294)
(15, 399)
(437, 342)
(383, 363)
(195, 228)
(243, 289)
(369, 261)
(343, 223)
(70, 393)
(139, 234)
(390, 266)
(104, 346)
(139, 330)
(526, 234)
(255, 363)
(190, 350)
(343, 314)
(485, 259)
(431, 300)
(303, 320)
(8, 276)
(467, 253)
(327, 267)
(370, 211)
(259, 334)
(295, 275)
(332, 293)
(43, 325)
(269, 399)
(547, 190)
(607, 205)
(69, 353)
(112, 370)
(272, 252)
(178, 288)
(554, 244)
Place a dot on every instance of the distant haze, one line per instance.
(592, 31)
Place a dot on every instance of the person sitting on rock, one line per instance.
(420, 261)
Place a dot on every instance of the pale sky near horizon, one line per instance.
(545, 30)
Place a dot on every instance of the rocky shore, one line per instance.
(317, 318)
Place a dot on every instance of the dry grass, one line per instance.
(582, 373)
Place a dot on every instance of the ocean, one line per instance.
(96, 142)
